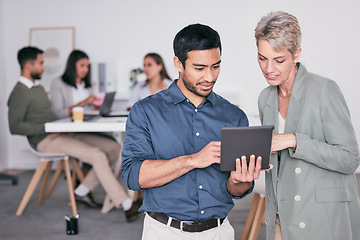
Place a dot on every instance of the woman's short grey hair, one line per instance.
(281, 29)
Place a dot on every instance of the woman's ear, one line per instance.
(297, 55)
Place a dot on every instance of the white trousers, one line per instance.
(159, 231)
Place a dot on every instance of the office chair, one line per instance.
(46, 160)
(4, 176)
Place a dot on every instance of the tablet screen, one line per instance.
(245, 141)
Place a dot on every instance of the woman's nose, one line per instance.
(270, 67)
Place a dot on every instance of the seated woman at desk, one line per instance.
(73, 88)
(157, 79)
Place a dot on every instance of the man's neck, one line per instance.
(195, 99)
(28, 76)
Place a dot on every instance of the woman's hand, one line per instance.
(283, 141)
(89, 100)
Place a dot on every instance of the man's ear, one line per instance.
(27, 67)
(178, 64)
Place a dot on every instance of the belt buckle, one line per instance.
(182, 225)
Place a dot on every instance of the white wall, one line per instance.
(3, 98)
(120, 33)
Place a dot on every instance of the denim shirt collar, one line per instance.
(177, 96)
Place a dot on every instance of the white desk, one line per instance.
(115, 125)
(110, 124)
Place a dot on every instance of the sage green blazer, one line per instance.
(314, 192)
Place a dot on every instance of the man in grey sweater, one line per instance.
(29, 110)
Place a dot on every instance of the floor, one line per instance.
(47, 220)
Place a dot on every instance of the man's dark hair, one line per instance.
(28, 54)
(195, 37)
(70, 74)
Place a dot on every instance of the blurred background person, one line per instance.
(29, 110)
(157, 79)
(73, 88)
(311, 191)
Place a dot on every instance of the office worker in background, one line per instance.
(73, 88)
(172, 150)
(29, 109)
(157, 79)
(311, 191)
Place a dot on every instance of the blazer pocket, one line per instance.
(340, 194)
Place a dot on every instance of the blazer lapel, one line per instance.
(270, 118)
(295, 108)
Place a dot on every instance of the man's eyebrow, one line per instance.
(204, 65)
(199, 65)
(216, 63)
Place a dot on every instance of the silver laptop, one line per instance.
(105, 108)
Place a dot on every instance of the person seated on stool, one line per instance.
(29, 108)
(171, 149)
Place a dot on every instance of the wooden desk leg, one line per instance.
(250, 218)
(259, 216)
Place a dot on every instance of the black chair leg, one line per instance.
(4, 176)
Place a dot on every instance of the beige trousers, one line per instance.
(96, 150)
(278, 233)
(155, 230)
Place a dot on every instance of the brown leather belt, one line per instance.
(186, 227)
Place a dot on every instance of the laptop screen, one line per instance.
(107, 103)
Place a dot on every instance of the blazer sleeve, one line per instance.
(58, 99)
(339, 152)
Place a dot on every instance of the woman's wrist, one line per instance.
(294, 145)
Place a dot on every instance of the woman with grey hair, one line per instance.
(311, 191)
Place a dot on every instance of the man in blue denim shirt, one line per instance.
(172, 147)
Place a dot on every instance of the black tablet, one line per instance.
(245, 141)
